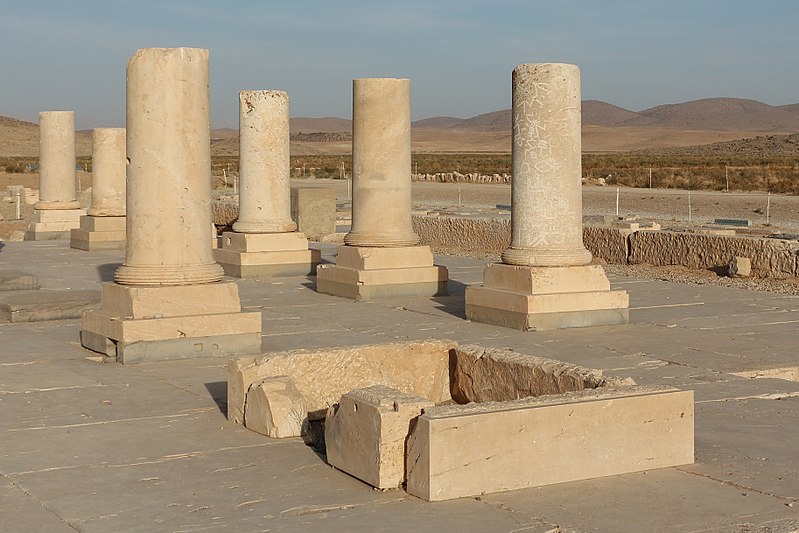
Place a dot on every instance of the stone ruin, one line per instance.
(448, 421)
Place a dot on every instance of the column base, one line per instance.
(99, 233)
(545, 298)
(52, 224)
(145, 324)
(266, 255)
(366, 273)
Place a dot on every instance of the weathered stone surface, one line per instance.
(444, 233)
(276, 408)
(314, 210)
(16, 280)
(608, 244)
(552, 439)
(365, 433)
(770, 257)
(224, 213)
(494, 375)
(740, 267)
(323, 376)
(38, 305)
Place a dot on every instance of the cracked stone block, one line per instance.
(740, 267)
(276, 408)
(366, 432)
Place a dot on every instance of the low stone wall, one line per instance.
(457, 177)
(224, 213)
(771, 258)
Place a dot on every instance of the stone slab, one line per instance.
(365, 433)
(552, 439)
(545, 303)
(44, 232)
(103, 224)
(91, 241)
(264, 242)
(39, 305)
(59, 215)
(16, 280)
(323, 376)
(545, 280)
(314, 210)
(546, 321)
(276, 408)
(268, 264)
(126, 301)
(373, 258)
(379, 284)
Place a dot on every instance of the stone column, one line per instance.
(381, 163)
(57, 189)
(168, 301)
(169, 169)
(264, 186)
(546, 219)
(545, 280)
(108, 173)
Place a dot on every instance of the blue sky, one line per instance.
(459, 54)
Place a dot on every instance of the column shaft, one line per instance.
(57, 189)
(265, 186)
(546, 212)
(108, 172)
(381, 159)
(169, 169)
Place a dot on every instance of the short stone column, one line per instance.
(265, 241)
(58, 210)
(103, 226)
(381, 256)
(545, 280)
(168, 301)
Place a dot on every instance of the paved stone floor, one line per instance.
(87, 446)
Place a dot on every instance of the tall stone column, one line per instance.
(169, 169)
(58, 210)
(103, 226)
(109, 170)
(381, 257)
(57, 189)
(167, 301)
(381, 163)
(264, 183)
(545, 280)
(546, 220)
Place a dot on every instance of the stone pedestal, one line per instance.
(167, 301)
(264, 242)
(545, 281)
(381, 256)
(57, 185)
(103, 227)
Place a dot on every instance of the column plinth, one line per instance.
(57, 187)
(545, 280)
(381, 257)
(167, 301)
(103, 226)
(264, 242)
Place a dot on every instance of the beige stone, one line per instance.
(385, 283)
(372, 258)
(314, 210)
(168, 143)
(551, 439)
(493, 375)
(57, 182)
(158, 302)
(381, 162)
(365, 433)
(545, 280)
(276, 408)
(546, 218)
(68, 216)
(260, 242)
(108, 173)
(265, 197)
(323, 376)
(740, 267)
(103, 224)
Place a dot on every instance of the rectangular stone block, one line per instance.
(553, 439)
(546, 303)
(264, 242)
(59, 215)
(370, 258)
(91, 224)
(323, 376)
(365, 433)
(276, 408)
(314, 210)
(127, 301)
(39, 305)
(44, 227)
(378, 284)
(545, 280)
(16, 280)
(276, 257)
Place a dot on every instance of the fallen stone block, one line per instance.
(740, 267)
(551, 439)
(365, 433)
(16, 280)
(39, 305)
(276, 408)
